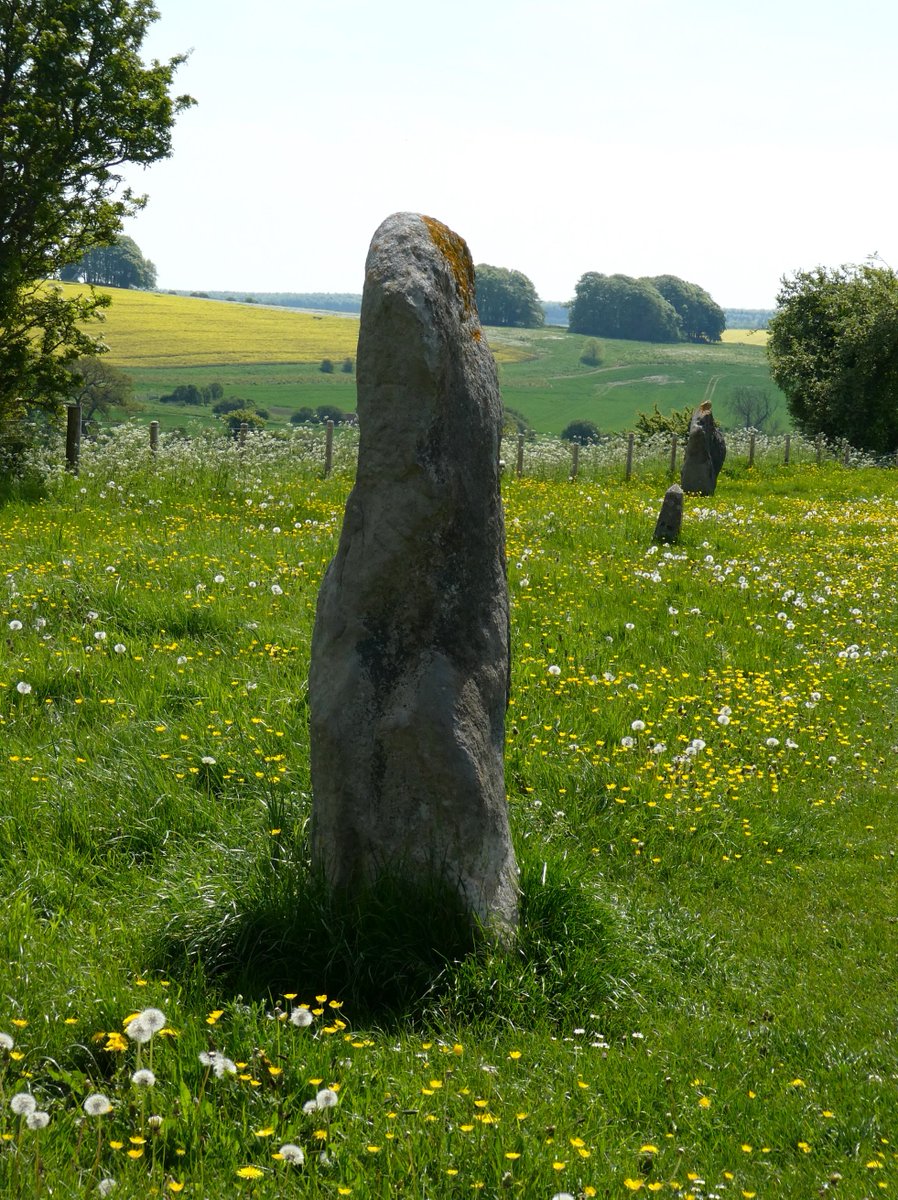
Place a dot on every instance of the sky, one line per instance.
(729, 144)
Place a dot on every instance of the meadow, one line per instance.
(272, 357)
(701, 762)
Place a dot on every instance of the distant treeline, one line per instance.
(748, 318)
(556, 311)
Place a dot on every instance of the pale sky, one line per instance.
(729, 144)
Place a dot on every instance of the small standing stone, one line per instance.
(670, 519)
(705, 453)
(409, 674)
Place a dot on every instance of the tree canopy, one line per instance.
(618, 306)
(833, 350)
(77, 103)
(119, 265)
(701, 320)
(506, 297)
(661, 308)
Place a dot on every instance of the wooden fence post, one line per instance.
(788, 448)
(244, 429)
(73, 438)
(520, 463)
(575, 459)
(819, 449)
(673, 455)
(751, 450)
(328, 448)
(154, 436)
(629, 472)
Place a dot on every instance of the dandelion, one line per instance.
(277, 590)
(301, 1017)
(100, 635)
(23, 688)
(6, 1042)
(207, 760)
(326, 1098)
(97, 1104)
(250, 1173)
(292, 1154)
(220, 1063)
(554, 669)
(105, 1186)
(37, 1119)
(23, 1103)
(144, 1078)
(141, 1028)
(627, 742)
(15, 626)
(120, 647)
(772, 742)
(637, 726)
(218, 579)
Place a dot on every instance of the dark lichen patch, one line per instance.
(455, 250)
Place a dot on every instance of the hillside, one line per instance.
(271, 357)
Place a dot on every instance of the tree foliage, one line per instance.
(833, 350)
(618, 306)
(701, 320)
(119, 265)
(506, 297)
(98, 387)
(676, 421)
(753, 408)
(77, 103)
(584, 433)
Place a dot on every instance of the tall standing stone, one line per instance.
(409, 674)
(705, 453)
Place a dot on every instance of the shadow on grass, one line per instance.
(399, 952)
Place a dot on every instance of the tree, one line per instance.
(98, 387)
(676, 421)
(506, 298)
(120, 265)
(753, 407)
(592, 353)
(584, 433)
(76, 104)
(833, 350)
(701, 320)
(618, 306)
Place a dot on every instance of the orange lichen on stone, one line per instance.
(455, 250)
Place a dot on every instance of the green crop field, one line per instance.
(271, 357)
(702, 774)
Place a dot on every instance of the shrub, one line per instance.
(592, 353)
(327, 366)
(584, 433)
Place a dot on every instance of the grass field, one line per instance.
(272, 358)
(701, 770)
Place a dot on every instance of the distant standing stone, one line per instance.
(410, 660)
(670, 519)
(705, 453)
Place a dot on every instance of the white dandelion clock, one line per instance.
(97, 1104)
(291, 1153)
(23, 1103)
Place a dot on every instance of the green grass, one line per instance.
(708, 939)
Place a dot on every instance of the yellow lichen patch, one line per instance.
(455, 250)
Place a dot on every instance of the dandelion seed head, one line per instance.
(291, 1153)
(37, 1119)
(23, 1103)
(97, 1104)
(107, 1185)
(301, 1017)
(23, 688)
(147, 1023)
(6, 1042)
(143, 1078)
(554, 669)
(15, 626)
(326, 1098)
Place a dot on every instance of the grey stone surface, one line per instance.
(409, 674)
(670, 519)
(705, 453)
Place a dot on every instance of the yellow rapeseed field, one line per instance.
(149, 329)
(747, 337)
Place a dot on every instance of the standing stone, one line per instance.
(705, 452)
(670, 519)
(410, 661)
